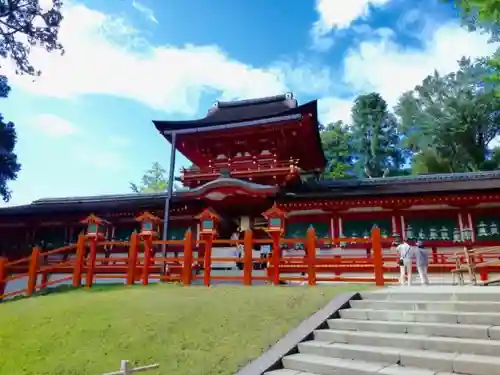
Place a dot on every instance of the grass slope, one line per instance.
(193, 330)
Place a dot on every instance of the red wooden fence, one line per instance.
(81, 263)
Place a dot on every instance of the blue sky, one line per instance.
(85, 125)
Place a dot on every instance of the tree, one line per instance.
(337, 146)
(9, 167)
(154, 180)
(376, 140)
(23, 24)
(484, 15)
(449, 121)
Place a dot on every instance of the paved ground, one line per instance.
(435, 279)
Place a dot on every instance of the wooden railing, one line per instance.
(82, 263)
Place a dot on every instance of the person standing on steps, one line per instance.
(405, 260)
(422, 262)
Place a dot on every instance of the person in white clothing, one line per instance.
(422, 262)
(405, 260)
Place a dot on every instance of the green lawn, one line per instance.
(194, 330)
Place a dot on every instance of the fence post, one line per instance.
(77, 268)
(378, 262)
(3, 276)
(207, 263)
(187, 269)
(147, 260)
(248, 257)
(33, 271)
(132, 259)
(91, 262)
(434, 255)
(311, 255)
(276, 257)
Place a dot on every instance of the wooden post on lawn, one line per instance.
(33, 271)
(132, 259)
(207, 262)
(378, 262)
(77, 268)
(148, 245)
(3, 275)
(248, 257)
(187, 269)
(91, 262)
(311, 255)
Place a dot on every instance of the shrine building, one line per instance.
(248, 155)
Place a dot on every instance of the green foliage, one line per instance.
(484, 15)
(337, 146)
(188, 331)
(9, 165)
(155, 180)
(375, 136)
(449, 121)
(24, 24)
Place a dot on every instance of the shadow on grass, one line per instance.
(68, 288)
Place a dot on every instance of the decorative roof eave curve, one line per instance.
(239, 187)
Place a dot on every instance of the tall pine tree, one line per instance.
(375, 137)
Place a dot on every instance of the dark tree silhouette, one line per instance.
(9, 167)
(23, 24)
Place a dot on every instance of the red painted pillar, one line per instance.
(3, 275)
(434, 254)
(207, 263)
(187, 270)
(311, 256)
(33, 271)
(378, 263)
(247, 258)
(91, 262)
(147, 259)
(276, 257)
(77, 267)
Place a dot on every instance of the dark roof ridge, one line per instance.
(438, 177)
(264, 100)
(100, 198)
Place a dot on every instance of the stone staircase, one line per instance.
(407, 331)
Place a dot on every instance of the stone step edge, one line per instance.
(433, 312)
(363, 323)
(285, 371)
(402, 323)
(395, 350)
(396, 336)
(362, 367)
(423, 302)
(431, 295)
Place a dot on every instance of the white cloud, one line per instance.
(383, 66)
(105, 55)
(335, 14)
(145, 10)
(331, 109)
(379, 64)
(53, 126)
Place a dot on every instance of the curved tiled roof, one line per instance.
(236, 111)
(440, 177)
(228, 182)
